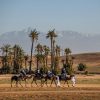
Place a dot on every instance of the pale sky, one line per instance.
(76, 15)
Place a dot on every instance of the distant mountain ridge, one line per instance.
(78, 42)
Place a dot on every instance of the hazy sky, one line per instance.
(76, 15)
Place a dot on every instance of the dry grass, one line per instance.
(92, 60)
(80, 92)
(53, 93)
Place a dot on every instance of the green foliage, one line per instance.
(86, 72)
(16, 68)
(18, 58)
(56, 65)
(5, 70)
(52, 35)
(67, 67)
(43, 70)
(82, 67)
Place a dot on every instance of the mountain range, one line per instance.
(77, 42)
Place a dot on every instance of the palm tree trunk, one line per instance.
(25, 64)
(6, 62)
(51, 53)
(46, 61)
(66, 59)
(31, 56)
(37, 63)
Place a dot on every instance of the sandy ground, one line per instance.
(29, 85)
(88, 76)
(79, 92)
(50, 93)
(50, 96)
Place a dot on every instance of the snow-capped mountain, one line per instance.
(77, 42)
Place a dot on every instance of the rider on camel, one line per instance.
(22, 73)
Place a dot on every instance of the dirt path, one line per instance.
(88, 76)
(70, 91)
(77, 85)
(50, 93)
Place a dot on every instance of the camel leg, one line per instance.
(20, 83)
(51, 82)
(16, 83)
(25, 83)
(67, 83)
(64, 83)
(11, 83)
(46, 82)
(55, 83)
(36, 82)
(32, 82)
(42, 83)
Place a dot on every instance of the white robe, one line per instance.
(58, 81)
(73, 81)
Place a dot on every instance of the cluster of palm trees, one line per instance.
(44, 51)
(14, 58)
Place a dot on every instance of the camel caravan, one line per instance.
(44, 78)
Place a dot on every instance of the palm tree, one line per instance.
(51, 34)
(53, 52)
(67, 53)
(57, 51)
(26, 59)
(34, 36)
(46, 53)
(39, 49)
(14, 51)
(10, 58)
(18, 58)
(2, 50)
(39, 55)
(21, 56)
(6, 49)
(68, 61)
